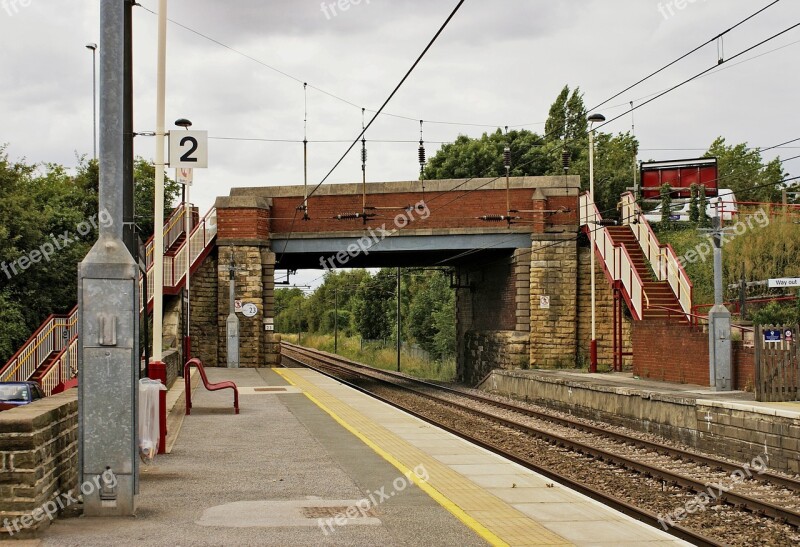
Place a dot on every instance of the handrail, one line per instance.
(172, 231)
(663, 258)
(695, 316)
(60, 370)
(50, 337)
(616, 260)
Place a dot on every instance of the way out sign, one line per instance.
(784, 283)
(188, 149)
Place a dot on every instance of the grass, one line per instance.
(381, 357)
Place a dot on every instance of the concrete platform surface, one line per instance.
(312, 462)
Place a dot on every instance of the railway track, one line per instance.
(642, 457)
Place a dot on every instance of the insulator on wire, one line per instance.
(348, 216)
(421, 154)
(507, 157)
(494, 218)
(565, 159)
(363, 151)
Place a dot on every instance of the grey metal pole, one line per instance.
(108, 304)
(335, 321)
(398, 319)
(94, 100)
(719, 322)
(233, 320)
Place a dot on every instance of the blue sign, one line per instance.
(772, 335)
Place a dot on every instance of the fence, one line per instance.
(776, 365)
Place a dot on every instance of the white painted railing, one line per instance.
(663, 258)
(616, 261)
(63, 368)
(53, 336)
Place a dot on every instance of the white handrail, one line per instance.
(615, 257)
(662, 258)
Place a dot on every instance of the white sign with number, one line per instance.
(188, 149)
(249, 310)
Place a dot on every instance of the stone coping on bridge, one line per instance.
(550, 186)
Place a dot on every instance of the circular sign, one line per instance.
(249, 310)
(788, 335)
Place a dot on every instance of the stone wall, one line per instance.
(204, 328)
(486, 351)
(38, 458)
(553, 330)
(604, 313)
(254, 285)
(493, 316)
(736, 430)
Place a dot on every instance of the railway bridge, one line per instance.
(506, 247)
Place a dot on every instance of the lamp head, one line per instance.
(596, 118)
(91, 46)
(183, 122)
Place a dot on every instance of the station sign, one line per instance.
(784, 282)
(773, 336)
(188, 149)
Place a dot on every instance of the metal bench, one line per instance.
(208, 385)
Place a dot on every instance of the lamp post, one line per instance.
(187, 184)
(93, 47)
(594, 118)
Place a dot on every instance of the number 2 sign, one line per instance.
(188, 149)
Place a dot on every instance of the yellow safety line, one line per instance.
(440, 498)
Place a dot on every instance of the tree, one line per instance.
(144, 175)
(431, 318)
(743, 170)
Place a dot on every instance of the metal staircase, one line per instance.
(644, 273)
(50, 356)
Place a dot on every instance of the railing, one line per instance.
(58, 334)
(663, 258)
(52, 336)
(174, 227)
(64, 367)
(616, 260)
(175, 266)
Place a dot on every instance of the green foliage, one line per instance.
(704, 220)
(432, 316)
(666, 206)
(694, 209)
(39, 203)
(778, 314)
(742, 170)
(144, 175)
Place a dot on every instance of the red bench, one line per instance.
(209, 386)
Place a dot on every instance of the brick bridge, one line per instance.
(500, 270)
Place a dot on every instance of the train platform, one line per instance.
(731, 424)
(309, 461)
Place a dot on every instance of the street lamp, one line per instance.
(93, 47)
(187, 340)
(594, 118)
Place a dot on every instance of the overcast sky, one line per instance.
(499, 63)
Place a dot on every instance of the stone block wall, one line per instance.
(553, 274)
(493, 316)
(486, 351)
(604, 313)
(255, 284)
(38, 458)
(204, 328)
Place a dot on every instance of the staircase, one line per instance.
(50, 356)
(660, 301)
(648, 274)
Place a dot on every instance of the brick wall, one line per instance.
(323, 210)
(678, 353)
(604, 312)
(38, 457)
